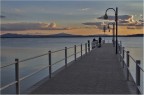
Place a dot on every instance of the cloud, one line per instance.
(93, 23)
(17, 10)
(29, 26)
(123, 20)
(98, 25)
(84, 9)
(22, 26)
(52, 25)
(2, 16)
(142, 19)
(120, 17)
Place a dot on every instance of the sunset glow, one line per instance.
(52, 17)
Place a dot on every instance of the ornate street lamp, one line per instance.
(116, 20)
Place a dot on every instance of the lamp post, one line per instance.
(116, 20)
(113, 38)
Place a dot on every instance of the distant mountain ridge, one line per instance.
(10, 35)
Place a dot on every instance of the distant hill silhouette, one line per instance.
(10, 35)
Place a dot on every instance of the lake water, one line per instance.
(23, 48)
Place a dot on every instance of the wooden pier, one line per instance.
(97, 72)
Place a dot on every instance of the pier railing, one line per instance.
(136, 73)
(76, 51)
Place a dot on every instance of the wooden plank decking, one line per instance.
(98, 72)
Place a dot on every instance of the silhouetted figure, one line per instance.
(100, 39)
(94, 39)
(94, 43)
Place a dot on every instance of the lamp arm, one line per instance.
(112, 9)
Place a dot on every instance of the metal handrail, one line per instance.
(25, 60)
(70, 47)
(33, 57)
(70, 55)
(36, 57)
(27, 76)
(33, 73)
(133, 79)
(78, 52)
(67, 57)
(58, 61)
(57, 51)
(135, 62)
(8, 85)
(138, 68)
(132, 58)
(78, 45)
(7, 65)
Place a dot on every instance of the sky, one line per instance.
(57, 15)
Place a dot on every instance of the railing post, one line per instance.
(50, 64)
(120, 47)
(75, 52)
(127, 65)
(86, 48)
(65, 56)
(104, 41)
(81, 50)
(137, 72)
(88, 45)
(17, 76)
(123, 55)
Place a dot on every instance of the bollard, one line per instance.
(75, 52)
(81, 50)
(120, 47)
(103, 41)
(123, 56)
(88, 45)
(127, 65)
(138, 74)
(50, 64)
(123, 53)
(85, 48)
(65, 56)
(120, 43)
(17, 76)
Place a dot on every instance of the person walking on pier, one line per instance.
(93, 43)
(99, 41)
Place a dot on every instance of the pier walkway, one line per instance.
(98, 72)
